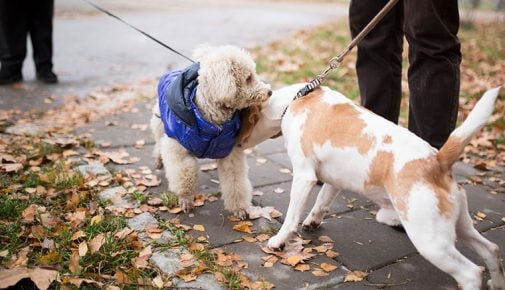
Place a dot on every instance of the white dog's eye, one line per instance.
(249, 79)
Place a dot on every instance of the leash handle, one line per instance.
(131, 26)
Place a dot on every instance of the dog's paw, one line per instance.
(185, 204)
(276, 243)
(158, 163)
(388, 216)
(311, 226)
(242, 214)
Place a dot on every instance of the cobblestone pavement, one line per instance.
(92, 51)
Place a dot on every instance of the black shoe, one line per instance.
(7, 77)
(47, 77)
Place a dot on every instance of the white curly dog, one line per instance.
(227, 83)
(330, 138)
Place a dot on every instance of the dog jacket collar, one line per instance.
(183, 121)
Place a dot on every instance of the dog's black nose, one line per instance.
(269, 93)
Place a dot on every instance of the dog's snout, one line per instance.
(269, 93)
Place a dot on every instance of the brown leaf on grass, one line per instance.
(154, 233)
(142, 260)
(11, 167)
(41, 277)
(83, 249)
(155, 201)
(78, 235)
(76, 218)
(28, 213)
(73, 265)
(96, 243)
(355, 276)
(50, 258)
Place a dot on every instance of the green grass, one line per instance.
(139, 197)
(170, 199)
(10, 208)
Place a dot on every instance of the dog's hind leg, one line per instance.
(434, 236)
(235, 185)
(303, 182)
(489, 251)
(181, 171)
(323, 203)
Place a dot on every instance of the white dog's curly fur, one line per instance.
(227, 82)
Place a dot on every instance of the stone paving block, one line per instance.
(214, 218)
(120, 132)
(93, 168)
(280, 201)
(493, 205)
(463, 171)
(411, 273)
(262, 174)
(115, 196)
(280, 158)
(168, 261)
(283, 276)
(141, 221)
(204, 281)
(362, 242)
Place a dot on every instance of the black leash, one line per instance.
(144, 33)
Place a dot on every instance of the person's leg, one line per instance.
(41, 33)
(379, 63)
(431, 28)
(13, 33)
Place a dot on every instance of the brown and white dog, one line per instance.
(330, 138)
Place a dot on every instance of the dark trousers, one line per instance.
(430, 27)
(18, 18)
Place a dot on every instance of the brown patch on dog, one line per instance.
(430, 173)
(298, 106)
(339, 124)
(380, 172)
(450, 152)
(387, 139)
(249, 117)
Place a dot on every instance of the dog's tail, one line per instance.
(459, 138)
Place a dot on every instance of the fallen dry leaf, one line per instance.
(319, 273)
(328, 267)
(199, 228)
(41, 277)
(243, 226)
(302, 267)
(83, 249)
(355, 276)
(73, 265)
(332, 254)
(293, 260)
(96, 243)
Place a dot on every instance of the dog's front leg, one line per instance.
(300, 190)
(181, 171)
(235, 185)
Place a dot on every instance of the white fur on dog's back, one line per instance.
(460, 137)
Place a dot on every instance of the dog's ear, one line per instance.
(249, 117)
(217, 82)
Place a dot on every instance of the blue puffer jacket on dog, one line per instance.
(184, 122)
